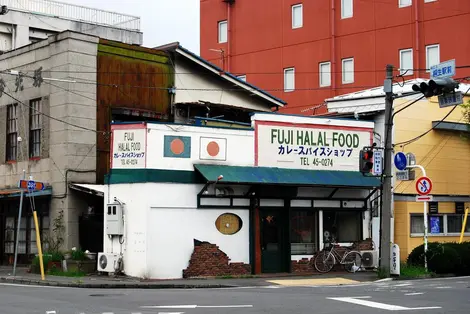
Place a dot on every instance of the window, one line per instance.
(404, 3)
(297, 16)
(35, 128)
(222, 31)
(342, 226)
(348, 70)
(443, 224)
(242, 77)
(325, 74)
(406, 62)
(346, 9)
(289, 80)
(12, 132)
(303, 232)
(432, 56)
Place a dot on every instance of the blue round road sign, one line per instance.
(400, 161)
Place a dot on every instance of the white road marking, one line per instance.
(446, 287)
(192, 306)
(29, 286)
(170, 313)
(403, 285)
(414, 293)
(383, 306)
(50, 312)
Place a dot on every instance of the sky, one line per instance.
(162, 21)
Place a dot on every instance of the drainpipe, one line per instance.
(333, 48)
(417, 39)
(228, 36)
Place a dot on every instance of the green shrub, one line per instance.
(443, 258)
(463, 249)
(79, 255)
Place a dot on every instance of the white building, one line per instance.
(268, 197)
(30, 21)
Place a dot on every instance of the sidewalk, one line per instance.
(106, 282)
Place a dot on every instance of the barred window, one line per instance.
(35, 128)
(12, 132)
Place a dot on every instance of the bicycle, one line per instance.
(351, 259)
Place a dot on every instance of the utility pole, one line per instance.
(20, 209)
(386, 210)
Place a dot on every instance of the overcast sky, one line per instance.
(162, 21)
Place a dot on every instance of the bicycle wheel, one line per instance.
(352, 261)
(324, 262)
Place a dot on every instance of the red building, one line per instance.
(305, 51)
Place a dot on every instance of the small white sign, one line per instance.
(377, 162)
(395, 260)
(450, 99)
(403, 175)
(424, 198)
(129, 148)
(443, 69)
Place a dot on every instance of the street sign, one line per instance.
(450, 99)
(377, 162)
(405, 175)
(443, 69)
(411, 159)
(31, 185)
(424, 198)
(423, 186)
(400, 161)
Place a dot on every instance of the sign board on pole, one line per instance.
(395, 257)
(443, 69)
(450, 99)
(400, 161)
(31, 185)
(423, 186)
(424, 198)
(405, 175)
(377, 162)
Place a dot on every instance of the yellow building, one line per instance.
(444, 152)
(442, 148)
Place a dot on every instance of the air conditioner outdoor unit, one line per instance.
(370, 259)
(107, 262)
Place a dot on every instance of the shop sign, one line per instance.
(129, 148)
(314, 147)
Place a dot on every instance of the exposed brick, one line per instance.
(207, 260)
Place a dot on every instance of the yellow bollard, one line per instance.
(463, 225)
(38, 242)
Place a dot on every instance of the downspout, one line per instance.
(333, 48)
(228, 36)
(417, 39)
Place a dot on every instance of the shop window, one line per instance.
(9, 242)
(342, 226)
(228, 223)
(303, 232)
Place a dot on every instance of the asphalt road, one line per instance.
(417, 296)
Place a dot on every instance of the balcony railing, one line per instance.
(75, 13)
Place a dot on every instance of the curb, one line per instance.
(111, 285)
(384, 280)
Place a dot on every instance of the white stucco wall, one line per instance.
(161, 223)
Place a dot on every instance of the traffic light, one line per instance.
(436, 87)
(366, 160)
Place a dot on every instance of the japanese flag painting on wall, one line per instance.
(213, 148)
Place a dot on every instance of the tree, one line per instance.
(466, 112)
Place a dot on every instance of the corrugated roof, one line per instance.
(281, 176)
(249, 87)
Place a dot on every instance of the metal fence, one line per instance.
(75, 13)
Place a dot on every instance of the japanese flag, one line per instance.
(213, 148)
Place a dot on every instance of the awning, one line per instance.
(94, 189)
(281, 176)
(451, 126)
(12, 193)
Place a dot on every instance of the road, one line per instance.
(449, 295)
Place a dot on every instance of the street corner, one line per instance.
(336, 281)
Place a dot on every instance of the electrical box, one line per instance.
(114, 219)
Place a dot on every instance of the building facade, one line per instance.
(190, 204)
(440, 145)
(30, 21)
(307, 51)
(57, 130)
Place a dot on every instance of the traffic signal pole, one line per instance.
(386, 210)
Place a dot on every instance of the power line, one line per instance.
(51, 117)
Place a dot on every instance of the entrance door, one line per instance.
(273, 248)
